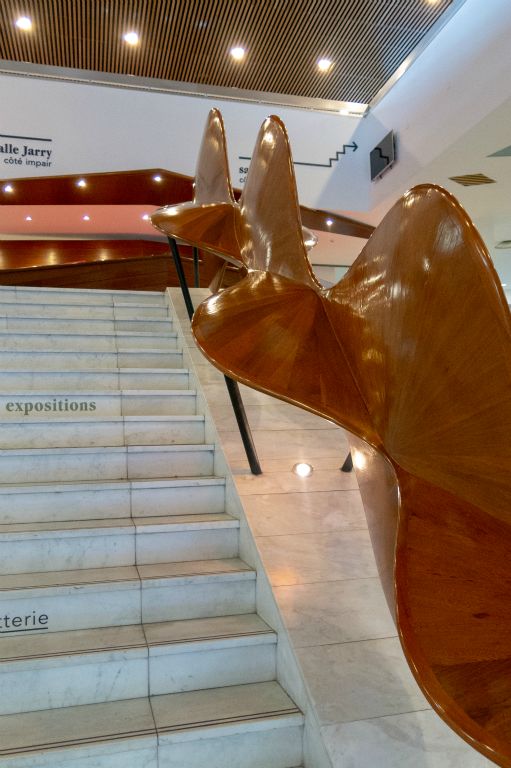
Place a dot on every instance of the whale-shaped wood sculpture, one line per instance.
(410, 352)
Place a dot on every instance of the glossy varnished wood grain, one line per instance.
(139, 265)
(411, 352)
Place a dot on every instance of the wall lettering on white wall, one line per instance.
(30, 151)
(29, 622)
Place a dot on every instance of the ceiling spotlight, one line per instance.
(24, 23)
(237, 53)
(302, 469)
(28, 218)
(8, 188)
(131, 38)
(157, 178)
(81, 183)
(86, 218)
(324, 65)
(329, 222)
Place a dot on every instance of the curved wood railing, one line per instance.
(410, 352)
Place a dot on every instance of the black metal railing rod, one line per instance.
(196, 276)
(232, 386)
(243, 425)
(181, 276)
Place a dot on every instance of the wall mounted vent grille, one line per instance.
(472, 179)
(188, 41)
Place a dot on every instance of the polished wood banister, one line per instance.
(411, 352)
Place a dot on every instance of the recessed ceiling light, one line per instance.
(237, 53)
(81, 183)
(8, 188)
(324, 65)
(329, 222)
(157, 178)
(131, 38)
(146, 217)
(302, 469)
(28, 218)
(86, 218)
(24, 23)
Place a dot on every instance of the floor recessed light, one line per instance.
(81, 183)
(329, 222)
(157, 178)
(28, 218)
(86, 218)
(302, 469)
(324, 65)
(131, 38)
(8, 188)
(24, 23)
(146, 217)
(237, 53)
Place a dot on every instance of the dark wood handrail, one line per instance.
(410, 352)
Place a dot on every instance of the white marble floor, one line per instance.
(313, 540)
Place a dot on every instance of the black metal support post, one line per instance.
(348, 464)
(243, 425)
(196, 275)
(181, 276)
(232, 386)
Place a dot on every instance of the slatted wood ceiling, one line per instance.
(189, 40)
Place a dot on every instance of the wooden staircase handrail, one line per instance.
(410, 352)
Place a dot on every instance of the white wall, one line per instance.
(100, 128)
(459, 78)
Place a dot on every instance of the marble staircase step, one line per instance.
(46, 502)
(80, 544)
(89, 296)
(60, 382)
(248, 726)
(88, 432)
(56, 601)
(81, 341)
(105, 463)
(68, 324)
(70, 360)
(63, 669)
(45, 405)
(126, 311)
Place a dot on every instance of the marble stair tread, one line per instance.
(70, 360)
(232, 706)
(105, 485)
(81, 295)
(65, 529)
(166, 524)
(125, 311)
(71, 643)
(14, 380)
(196, 570)
(69, 580)
(102, 463)
(78, 528)
(202, 631)
(40, 405)
(226, 568)
(34, 732)
(83, 431)
(160, 636)
(190, 715)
